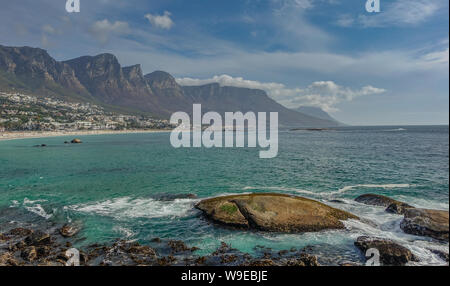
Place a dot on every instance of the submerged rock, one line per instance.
(273, 212)
(69, 230)
(391, 253)
(393, 206)
(443, 255)
(172, 197)
(425, 222)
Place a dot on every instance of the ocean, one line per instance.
(126, 186)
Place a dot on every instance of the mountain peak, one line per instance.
(161, 80)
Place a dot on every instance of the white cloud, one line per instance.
(397, 13)
(323, 94)
(48, 29)
(102, 30)
(161, 21)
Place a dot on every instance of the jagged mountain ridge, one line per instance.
(101, 79)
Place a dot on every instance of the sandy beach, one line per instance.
(41, 134)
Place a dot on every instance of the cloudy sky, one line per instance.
(370, 69)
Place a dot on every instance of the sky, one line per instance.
(386, 68)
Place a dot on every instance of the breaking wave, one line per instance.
(127, 207)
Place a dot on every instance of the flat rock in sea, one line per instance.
(393, 206)
(69, 230)
(273, 212)
(425, 222)
(391, 253)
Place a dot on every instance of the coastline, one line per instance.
(15, 135)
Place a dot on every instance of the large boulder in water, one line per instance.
(393, 206)
(425, 222)
(391, 253)
(273, 212)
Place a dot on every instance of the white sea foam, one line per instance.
(33, 206)
(127, 233)
(331, 193)
(39, 210)
(395, 130)
(382, 186)
(126, 207)
(284, 189)
(375, 221)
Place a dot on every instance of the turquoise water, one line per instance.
(113, 184)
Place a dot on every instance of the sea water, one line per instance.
(117, 185)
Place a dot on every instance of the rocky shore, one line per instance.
(26, 247)
(249, 212)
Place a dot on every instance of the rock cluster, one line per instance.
(422, 222)
(391, 253)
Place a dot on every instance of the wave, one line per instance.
(281, 189)
(33, 206)
(383, 186)
(395, 130)
(126, 207)
(327, 194)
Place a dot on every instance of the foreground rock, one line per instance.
(393, 206)
(390, 252)
(273, 212)
(425, 222)
(69, 230)
(37, 248)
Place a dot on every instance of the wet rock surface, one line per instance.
(273, 212)
(425, 222)
(391, 253)
(392, 206)
(69, 230)
(26, 247)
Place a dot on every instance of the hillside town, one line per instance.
(22, 112)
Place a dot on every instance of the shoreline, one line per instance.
(16, 135)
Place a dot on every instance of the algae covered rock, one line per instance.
(273, 212)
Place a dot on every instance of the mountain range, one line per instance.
(102, 80)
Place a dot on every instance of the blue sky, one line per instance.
(370, 69)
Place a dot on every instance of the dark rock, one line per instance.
(3, 237)
(7, 259)
(391, 253)
(180, 246)
(273, 212)
(393, 206)
(69, 230)
(443, 255)
(172, 197)
(142, 250)
(398, 208)
(303, 260)
(29, 254)
(156, 239)
(38, 238)
(20, 231)
(260, 263)
(425, 222)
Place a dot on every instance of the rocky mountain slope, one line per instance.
(101, 80)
